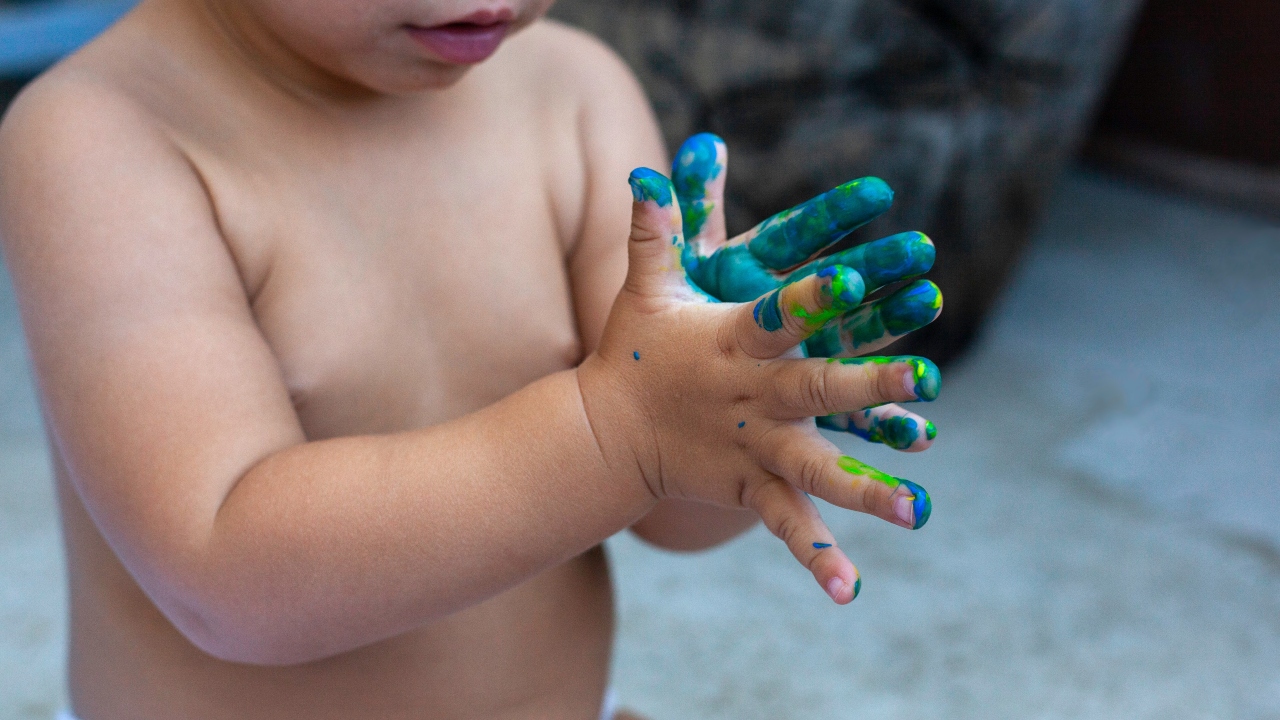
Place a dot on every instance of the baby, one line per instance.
(354, 343)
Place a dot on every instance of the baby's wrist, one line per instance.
(615, 417)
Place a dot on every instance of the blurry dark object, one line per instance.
(968, 108)
(1196, 102)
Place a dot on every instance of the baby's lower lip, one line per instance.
(461, 43)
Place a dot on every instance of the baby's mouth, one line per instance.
(466, 42)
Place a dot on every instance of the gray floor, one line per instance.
(1104, 541)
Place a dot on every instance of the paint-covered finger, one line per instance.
(881, 262)
(820, 387)
(877, 324)
(890, 425)
(793, 519)
(814, 465)
(782, 319)
(656, 244)
(698, 174)
(796, 235)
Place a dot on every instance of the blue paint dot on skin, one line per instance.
(636, 354)
(742, 424)
(820, 546)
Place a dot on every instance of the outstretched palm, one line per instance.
(786, 247)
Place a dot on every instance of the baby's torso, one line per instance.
(404, 273)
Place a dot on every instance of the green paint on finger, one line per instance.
(841, 289)
(921, 505)
(928, 379)
(853, 466)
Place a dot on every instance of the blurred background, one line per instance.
(1102, 180)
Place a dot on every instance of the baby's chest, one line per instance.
(397, 324)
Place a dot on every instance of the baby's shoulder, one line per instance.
(72, 113)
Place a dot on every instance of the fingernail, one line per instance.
(930, 430)
(912, 506)
(923, 379)
(857, 588)
(909, 382)
(834, 586)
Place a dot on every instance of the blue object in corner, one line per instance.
(34, 35)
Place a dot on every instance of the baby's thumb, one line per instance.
(656, 244)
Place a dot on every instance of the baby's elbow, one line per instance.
(247, 634)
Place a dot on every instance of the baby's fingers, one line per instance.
(656, 243)
(891, 425)
(817, 387)
(792, 517)
(815, 466)
(879, 323)
(782, 319)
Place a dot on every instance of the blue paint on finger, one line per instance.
(920, 503)
(820, 546)
(742, 424)
(911, 308)
(792, 237)
(648, 185)
(767, 313)
(636, 354)
(880, 262)
(696, 164)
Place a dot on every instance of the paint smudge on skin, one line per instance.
(928, 379)
(820, 546)
(880, 322)
(636, 354)
(767, 313)
(900, 432)
(883, 261)
(792, 237)
(921, 505)
(648, 185)
(696, 164)
(841, 289)
(742, 424)
(754, 263)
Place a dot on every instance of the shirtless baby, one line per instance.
(349, 365)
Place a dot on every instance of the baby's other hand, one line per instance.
(712, 401)
(782, 249)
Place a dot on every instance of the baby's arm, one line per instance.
(167, 405)
(169, 408)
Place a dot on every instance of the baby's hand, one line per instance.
(712, 401)
(780, 250)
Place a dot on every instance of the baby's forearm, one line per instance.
(333, 544)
